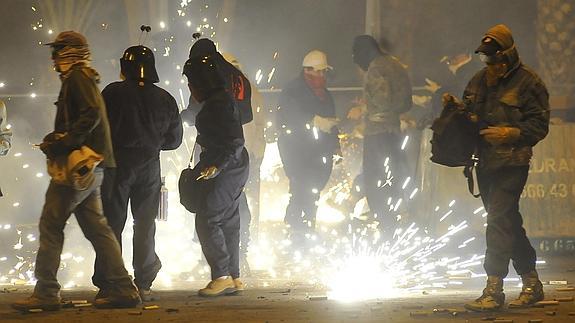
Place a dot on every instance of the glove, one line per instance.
(209, 173)
(54, 145)
(356, 112)
(500, 135)
(449, 101)
(324, 124)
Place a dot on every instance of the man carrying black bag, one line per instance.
(218, 179)
(513, 104)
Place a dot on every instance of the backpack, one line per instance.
(454, 141)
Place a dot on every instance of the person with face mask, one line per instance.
(512, 105)
(222, 172)
(387, 94)
(307, 142)
(81, 120)
(144, 120)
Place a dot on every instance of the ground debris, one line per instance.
(564, 299)
(550, 313)
(172, 310)
(535, 321)
(35, 310)
(151, 307)
(557, 282)
(565, 289)
(318, 298)
(135, 313)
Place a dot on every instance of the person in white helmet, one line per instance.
(307, 142)
(5, 133)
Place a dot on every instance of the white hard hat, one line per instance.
(232, 60)
(317, 60)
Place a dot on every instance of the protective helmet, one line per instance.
(317, 60)
(203, 47)
(138, 64)
(203, 73)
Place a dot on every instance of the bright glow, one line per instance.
(2, 84)
(32, 95)
(365, 271)
(162, 24)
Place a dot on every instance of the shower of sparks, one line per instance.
(346, 248)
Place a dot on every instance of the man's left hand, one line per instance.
(500, 135)
(209, 173)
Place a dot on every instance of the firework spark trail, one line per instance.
(339, 252)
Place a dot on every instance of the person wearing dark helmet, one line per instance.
(81, 120)
(240, 90)
(223, 170)
(513, 104)
(144, 119)
(387, 94)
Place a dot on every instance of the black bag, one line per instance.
(191, 189)
(455, 138)
(454, 141)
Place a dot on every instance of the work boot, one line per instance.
(492, 298)
(102, 293)
(34, 302)
(240, 286)
(218, 287)
(531, 293)
(116, 298)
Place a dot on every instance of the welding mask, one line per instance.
(138, 64)
(203, 73)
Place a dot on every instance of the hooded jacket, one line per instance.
(82, 115)
(520, 99)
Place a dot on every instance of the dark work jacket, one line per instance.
(87, 119)
(221, 138)
(520, 100)
(143, 120)
(220, 132)
(298, 104)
